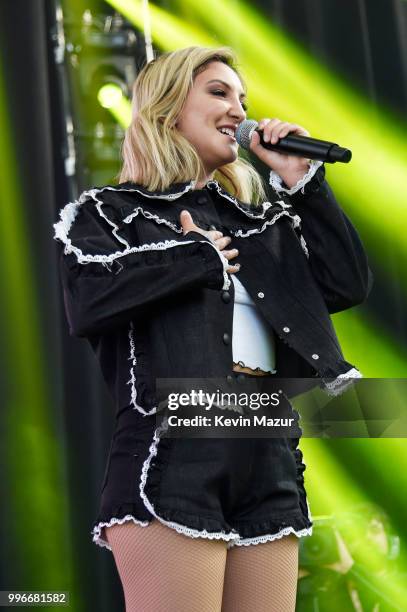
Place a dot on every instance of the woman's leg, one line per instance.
(162, 570)
(262, 577)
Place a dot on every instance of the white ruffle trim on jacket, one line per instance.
(276, 181)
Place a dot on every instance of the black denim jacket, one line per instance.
(157, 304)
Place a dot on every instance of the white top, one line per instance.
(253, 338)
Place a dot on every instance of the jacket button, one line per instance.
(241, 378)
(286, 330)
(213, 227)
(201, 199)
(226, 338)
(229, 378)
(315, 356)
(225, 297)
(260, 295)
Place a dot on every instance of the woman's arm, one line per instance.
(106, 285)
(337, 257)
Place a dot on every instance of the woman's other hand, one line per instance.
(214, 236)
(291, 168)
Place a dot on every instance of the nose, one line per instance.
(237, 111)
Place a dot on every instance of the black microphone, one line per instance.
(292, 144)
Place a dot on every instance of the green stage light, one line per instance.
(167, 30)
(357, 330)
(335, 491)
(34, 459)
(110, 95)
(326, 480)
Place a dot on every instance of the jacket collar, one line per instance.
(119, 204)
(177, 190)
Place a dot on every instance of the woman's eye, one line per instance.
(220, 92)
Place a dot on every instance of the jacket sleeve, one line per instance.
(336, 254)
(105, 284)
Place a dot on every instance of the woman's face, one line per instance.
(214, 101)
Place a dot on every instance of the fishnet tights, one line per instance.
(262, 577)
(165, 571)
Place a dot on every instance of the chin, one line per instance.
(229, 159)
(217, 161)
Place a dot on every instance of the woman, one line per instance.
(183, 270)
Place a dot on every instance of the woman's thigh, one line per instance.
(262, 577)
(162, 570)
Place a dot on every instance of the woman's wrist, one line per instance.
(292, 177)
(294, 181)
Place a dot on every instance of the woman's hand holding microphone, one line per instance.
(291, 168)
(214, 236)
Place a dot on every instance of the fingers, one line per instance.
(214, 235)
(221, 242)
(230, 254)
(274, 129)
(187, 223)
(186, 217)
(233, 269)
(218, 239)
(264, 122)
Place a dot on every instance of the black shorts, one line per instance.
(241, 490)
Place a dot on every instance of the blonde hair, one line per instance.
(154, 152)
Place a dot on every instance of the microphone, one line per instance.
(292, 144)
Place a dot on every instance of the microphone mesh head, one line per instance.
(244, 132)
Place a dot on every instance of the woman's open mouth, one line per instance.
(228, 132)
